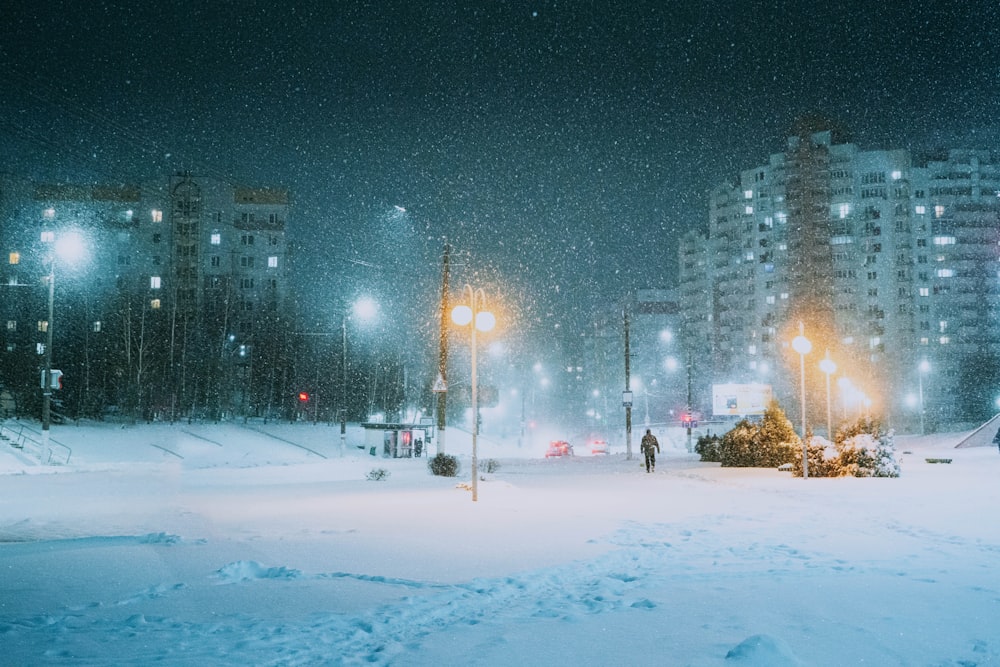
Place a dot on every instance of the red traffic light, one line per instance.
(304, 396)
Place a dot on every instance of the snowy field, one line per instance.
(225, 545)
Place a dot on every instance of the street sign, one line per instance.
(440, 386)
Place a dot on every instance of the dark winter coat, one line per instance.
(649, 442)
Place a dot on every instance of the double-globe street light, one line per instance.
(480, 320)
(802, 345)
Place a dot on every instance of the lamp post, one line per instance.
(828, 367)
(364, 308)
(47, 374)
(802, 345)
(70, 246)
(481, 320)
(923, 368)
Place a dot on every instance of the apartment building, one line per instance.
(178, 290)
(887, 259)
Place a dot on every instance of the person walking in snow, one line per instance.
(650, 446)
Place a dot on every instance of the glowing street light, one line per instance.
(923, 367)
(71, 248)
(828, 367)
(364, 309)
(802, 345)
(481, 320)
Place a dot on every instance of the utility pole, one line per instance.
(441, 385)
(690, 415)
(627, 396)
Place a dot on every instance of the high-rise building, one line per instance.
(175, 305)
(888, 259)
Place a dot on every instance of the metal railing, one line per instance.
(20, 436)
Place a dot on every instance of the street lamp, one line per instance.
(802, 345)
(70, 247)
(923, 368)
(364, 308)
(481, 320)
(828, 367)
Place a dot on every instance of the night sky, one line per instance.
(559, 146)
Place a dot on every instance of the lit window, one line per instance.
(784, 296)
(896, 175)
(216, 238)
(782, 218)
(97, 326)
(769, 299)
(154, 282)
(129, 214)
(48, 237)
(157, 215)
(942, 326)
(938, 211)
(49, 213)
(752, 349)
(154, 304)
(924, 341)
(14, 258)
(944, 340)
(782, 246)
(921, 209)
(844, 210)
(11, 325)
(874, 342)
(748, 210)
(749, 256)
(272, 262)
(925, 291)
(943, 240)
(748, 194)
(43, 325)
(945, 273)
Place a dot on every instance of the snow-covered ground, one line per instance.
(227, 545)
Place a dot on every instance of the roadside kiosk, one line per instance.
(395, 440)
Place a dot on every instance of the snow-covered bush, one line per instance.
(867, 455)
(489, 465)
(862, 449)
(707, 448)
(768, 443)
(822, 458)
(443, 465)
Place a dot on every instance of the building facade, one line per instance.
(889, 261)
(175, 305)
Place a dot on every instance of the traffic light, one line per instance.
(303, 397)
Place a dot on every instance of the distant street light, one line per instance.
(923, 368)
(364, 309)
(70, 247)
(481, 320)
(802, 345)
(828, 367)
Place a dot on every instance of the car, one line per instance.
(558, 448)
(599, 448)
